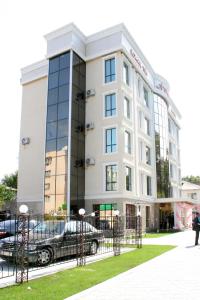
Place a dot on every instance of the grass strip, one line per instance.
(66, 283)
(155, 235)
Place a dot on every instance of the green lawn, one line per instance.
(156, 235)
(69, 282)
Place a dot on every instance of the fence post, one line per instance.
(81, 261)
(116, 234)
(22, 239)
(138, 231)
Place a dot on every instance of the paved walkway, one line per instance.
(172, 276)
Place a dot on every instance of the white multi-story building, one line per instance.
(98, 129)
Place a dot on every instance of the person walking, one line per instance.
(196, 227)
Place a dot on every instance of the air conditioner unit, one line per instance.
(89, 126)
(90, 161)
(90, 92)
(25, 141)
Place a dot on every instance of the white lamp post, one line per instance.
(116, 212)
(23, 209)
(81, 211)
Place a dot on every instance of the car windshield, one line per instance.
(10, 225)
(48, 227)
(75, 227)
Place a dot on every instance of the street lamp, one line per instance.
(116, 212)
(81, 211)
(23, 209)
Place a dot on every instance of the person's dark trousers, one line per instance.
(197, 237)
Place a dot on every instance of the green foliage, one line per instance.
(192, 179)
(10, 180)
(72, 281)
(6, 194)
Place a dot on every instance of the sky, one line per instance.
(167, 31)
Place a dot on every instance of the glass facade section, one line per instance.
(110, 105)
(161, 145)
(127, 142)
(128, 179)
(149, 191)
(111, 178)
(146, 97)
(126, 108)
(111, 143)
(148, 155)
(57, 133)
(110, 70)
(77, 176)
(126, 73)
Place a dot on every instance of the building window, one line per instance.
(148, 155)
(111, 178)
(47, 186)
(146, 97)
(142, 183)
(139, 87)
(130, 216)
(140, 119)
(126, 73)
(147, 126)
(127, 142)
(110, 70)
(147, 216)
(111, 144)
(128, 179)
(48, 173)
(141, 151)
(110, 105)
(48, 161)
(126, 108)
(149, 191)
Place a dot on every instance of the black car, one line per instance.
(52, 240)
(12, 227)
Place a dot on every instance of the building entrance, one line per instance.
(166, 216)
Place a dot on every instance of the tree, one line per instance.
(6, 194)
(10, 180)
(192, 179)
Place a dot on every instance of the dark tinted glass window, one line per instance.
(64, 77)
(51, 146)
(63, 93)
(53, 80)
(51, 130)
(110, 70)
(52, 113)
(62, 128)
(61, 144)
(52, 96)
(54, 65)
(63, 110)
(110, 140)
(65, 61)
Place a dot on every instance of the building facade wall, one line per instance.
(31, 156)
(132, 126)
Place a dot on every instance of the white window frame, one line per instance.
(104, 99)
(104, 139)
(103, 68)
(104, 176)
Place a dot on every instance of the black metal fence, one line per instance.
(29, 243)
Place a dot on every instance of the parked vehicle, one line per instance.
(9, 228)
(5, 215)
(51, 240)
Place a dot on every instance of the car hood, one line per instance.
(33, 238)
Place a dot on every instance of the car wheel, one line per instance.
(93, 248)
(44, 257)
